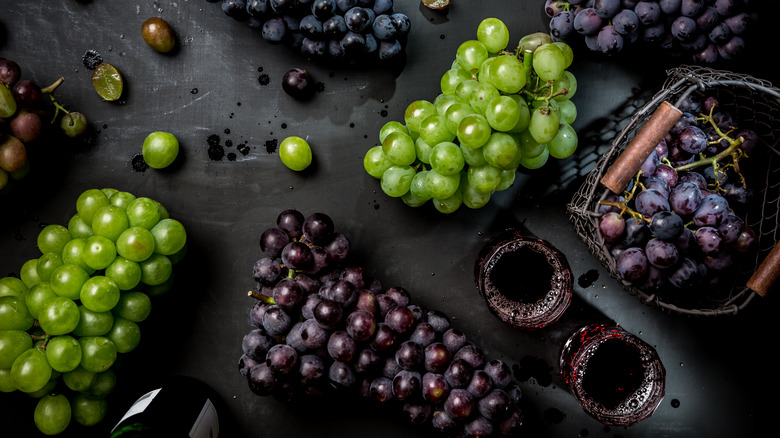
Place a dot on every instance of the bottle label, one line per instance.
(207, 423)
(139, 406)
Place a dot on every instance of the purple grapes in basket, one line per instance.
(705, 31)
(679, 224)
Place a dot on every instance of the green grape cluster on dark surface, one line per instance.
(27, 112)
(498, 110)
(74, 309)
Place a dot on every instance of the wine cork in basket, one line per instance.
(767, 272)
(627, 164)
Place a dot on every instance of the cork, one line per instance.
(640, 147)
(767, 272)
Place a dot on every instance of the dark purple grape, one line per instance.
(256, 313)
(27, 93)
(417, 413)
(654, 281)
(453, 339)
(661, 254)
(296, 255)
(732, 48)
(366, 300)
(345, 5)
(328, 313)
(718, 262)
(694, 178)
(738, 23)
(632, 264)
(685, 198)
(323, 9)
(499, 372)
(653, 33)
(281, 359)
(437, 357)
(444, 423)
(274, 30)
(692, 8)
(711, 212)
(611, 226)
(423, 334)
(355, 275)
(720, 34)
(686, 119)
(692, 139)
(562, 25)
(636, 232)
(307, 310)
(458, 373)
(607, 8)
(311, 368)
(384, 338)
(480, 384)
(313, 335)
(341, 346)
(342, 375)
(471, 354)
(256, 344)
(358, 19)
(685, 275)
(668, 173)
(382, 389)
(340, 291)
(276, 321)
(650, 201)
(318, 228)
(400, 319)
(407, 384)
(294, 340)
(657, 183)
(709, 240)
(609, 40)
(310, 285)
(266, 271)
(368, 361)
(399, 295)
(588, 22)
(707, 20)
(478, 427)
(666, 225)
(391, 367)
(649, 13)
(746, 240)
(10, 72)
(496, 405)
(384, 304)
(459, 404)
(272, 241)
(438, 320)
(626, 22)
(245, 364)
(312, 28)
(289, 295)
(261, 380)
(669, 7)
(435, 388)
(299, 84)
(730, 228)
(650, 164)
(409, 355)
(338, 248)
(361, 325)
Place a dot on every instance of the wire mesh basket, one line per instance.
(754, 104)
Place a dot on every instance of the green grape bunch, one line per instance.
(498, 110)
(73, 310)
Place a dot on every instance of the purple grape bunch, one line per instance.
(705, 30)
(680, 222)
(321, 326)
(342, 32)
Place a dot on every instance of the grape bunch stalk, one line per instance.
(25, 114)
(72, 311)
(707, 31)
(499, 109)
(678, 228)
(322, 327)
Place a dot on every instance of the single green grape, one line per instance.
(37, 297)
(163, 211)
(529, 147)
(52, 414)
(465, 89)
(471, 54)
(67, 280)
(12, 344)
(375, 162)
(441, 186)
(391, 126)
(483, 76)
(472, 198)
(484, 179)
(508, 74)
(169, 236)
(29, 273)
(78, 228)
(568, 111)
(109, 222)
(48, 388)
(125, 273)
(507, 179)
(98, 252)
(93, 323)
(473, 157)
(418, 190)
(53, 238)
(409, 199)
(134, 306)
(544, 124)
(474, 131)
(502, 113)
(450, 204)
(422, 150)
(399, 149)
(58, 316)
(121, 199)
(14, 314)
(31, 371)
(396, 180)
(433, 130)
(443, 101)
(12, 286)
(79, 379)
(63, 353)
(549, 62)
(565, 142)
(481, 97)
(143, 212)
(446, 158)
(89, 202)
(501, 151)
(98, 353)
(536, 162)
(156, 270)
(125, 334)
(456, 113)
(295, 153)
(99, 294)
(104, 384)
(87, 410)
(136, 243)
(452, 78)
(109, 191)
(416, 112)
(568, 53)
(71, 255)
(47, 264)
(493, 33)
(160, 149)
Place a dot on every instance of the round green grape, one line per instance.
(12, 286)
(109, 222)
(59, 315)
(29, 273)
(474, 131)
(143, 212)
(125, 334)
(536, 162)
(134, 306)
(98, 353)
(451, 79)
(72, 255)
(67, 280)
(544, 124)
(422, 150)
(493, 33)
(93, 323)
(433, 130)
(160, 149)
(136, 243)
(79, 379)
(295, 153)
(443, 101)
(471, 54)
(409, 199)
(416, 112)
(481, 97)
(391, 126)
(31, 371)
(37, 297)
(508, 74)
(169, 237)
(441, 186)
(456, 113)
(507, 179)
(465, 89)
(501, 151)
(89, 202)
(121, 199)
(473, 157)
(63, 353)
(12, 344)
(14, 314)
(399, 149)
(52, 414)
(502, 113)
(156, 270)
(376, 162)
(450, 204)
(396, 180)
(53, 238)
(549, 62)
(78, 228)
(6, 382)
(87, 410)
(125, 273)
(418, 189)
(109, 191)
(98, 252)
(100, 294)
(568, 53)
(47, 264)
(484, 71)
(446, 158)
(565, 142)
(484, 179)
(103, 385)
(568, 111)
(472, 198)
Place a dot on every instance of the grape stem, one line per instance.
(732, 151)
(258, 296)
(49, 92)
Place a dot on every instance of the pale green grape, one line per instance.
(409, 199)
(508, 74)
(94, 323)
(433, 130)
(472, 198)
(67, 280)
(565, 142)
(455, 113)
(375, 162)
(525, 114)
(37, 297)
(417, 189)
(568, 111)
(121, 199)
(125, 334)
(446, 158)
(471, 54)
(29, 273)
(103, 385)
(134, 306)
(493, 33)
(156, 270)
(169, 236)
(484, 179)
(422, 150)
(125, 273)
(12, 344)
(544, 124)
(441, 186)
(47, 264)
(501, 150)
(530, 42)
(99, 294)
(163, 211)
(31, 371)
(137, 243)
(452, 78)
(473, 157)
(78, 228)
(568, 53)
(14, 314)
(63, 353)
(12, 286)
(143, 212)
(507, 179)
(396, 180)
(536, 162)
(529, 147)
(79, 379)
(391, 126)
(89, 202)
(503, 113)
(52, 414)
(98, 353)
(399, 148)
(416, 112)
(295, 153)
(549, 62)
(6, 382)
(482, 95)
(109, 191)
(484, 71)
(443, 101)
(98, 252)
(474, 131)
(72, 255)
(109, 222)
(465, 89)
(58, 316)
(53, 238)
(450, 204)
(572, 84)
(87, 410)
